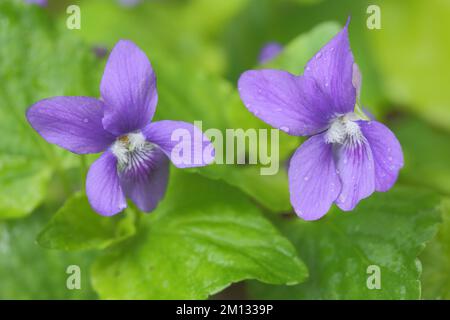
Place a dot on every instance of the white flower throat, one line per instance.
(132, 151)
(344, 130)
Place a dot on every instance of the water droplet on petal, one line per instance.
(85, 120)
(306, 178)
(286, 129)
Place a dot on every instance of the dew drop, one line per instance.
(85, 120)
(306, 178)
(286, 129)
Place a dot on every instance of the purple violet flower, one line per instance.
(42, 3)
(129, 3)
(135, 162)
(100, 51)
(348, 156)
(270, 51)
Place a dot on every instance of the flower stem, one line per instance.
(83, 168)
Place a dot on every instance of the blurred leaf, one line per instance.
(436, 261)
(427, 158)
(28, 271)
(204, 236)
(189, 94)
(412, 51)
(427, 154)
(36, 61)
(301, 49)
(22, 185)
(387, 230)
(77, 227)
(179, 30)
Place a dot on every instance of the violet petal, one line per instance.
(356, 169)
(332, 68)
(313, 181)
(292, 104)
(128, 88)
(42, 3)
(146, 184)
(387, 153)
(103, 187)
(73, 123)
(270, 51)
(174, 137)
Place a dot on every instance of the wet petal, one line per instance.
(356, 170)
(103, 188)
(146, 182)
(128, 88)
(182, 142)
(292, 104)
(332, 67)
(387, 153)
(313, 181)
(73, 123)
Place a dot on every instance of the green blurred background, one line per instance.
(198, 49)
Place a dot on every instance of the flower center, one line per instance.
(344, 129)
(132, 151)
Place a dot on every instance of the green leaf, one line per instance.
(387, 230)
(204, 236)
(271, 191)
(411, 52)
(180, 31)
(77, 227)
(427, 154)
(28, 271)
(37, 60)
(436, 261)
(301, 49)
(22, 185)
